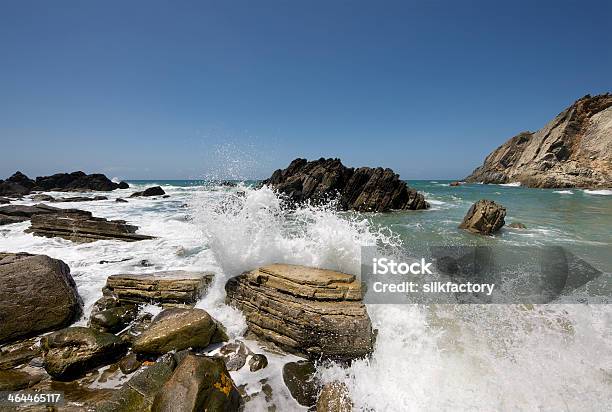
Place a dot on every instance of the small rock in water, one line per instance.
(257, 362)
(234, 355)
(120, 200)
(334, 397)
(517, 225)
(300, 378)
(151, 191)
(484, 217)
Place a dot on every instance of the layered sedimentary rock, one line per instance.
(37, 294)
(307, 311)
(20, 184)
(484, 217)
(362, 189)
(573, 150)
(81, 226)
(168, 287)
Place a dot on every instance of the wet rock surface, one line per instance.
(363, 189)
(199, 383)
(177, 329)
(167, 287)
(80, 226)
(308, 311)
(300, 378)
(484, 217)
(70, 352)
(37, 294)
(334, 397)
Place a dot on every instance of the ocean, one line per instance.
(427, 357)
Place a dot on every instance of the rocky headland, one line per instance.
(572, 150)
(364, 189)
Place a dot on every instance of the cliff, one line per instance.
(572, 150)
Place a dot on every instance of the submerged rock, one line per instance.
(364, 189)
(199, 383)
(80, 226)
(167, 287)
(572, 150)
(70, 352)
(37, 294)
(484, 217)
(178, 329)
(334, 397)
(301, 380)
(517, 225)
(150, 191)
(307, 311)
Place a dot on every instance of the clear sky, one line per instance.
(189, 89)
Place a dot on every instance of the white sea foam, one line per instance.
(602, 192)
(564, 192)
(512, 184)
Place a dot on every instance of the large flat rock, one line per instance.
(37, 294)
(308, 311)
(80, 226)
(168, 287)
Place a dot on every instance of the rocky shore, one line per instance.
(572, 150)
(363, 189)
(19, 184)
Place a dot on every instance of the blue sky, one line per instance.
(189, 89)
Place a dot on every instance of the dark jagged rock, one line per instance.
(71, 352)
(150, 191)
(166, 287)
(20, 184)
(311, 312)
(301, 380)
(4, 201)
(572, 150)
(120, 200)
(75, 181)
(80, 199)
(7, 220)
(37, 294)
(29, 211)
(362, 189)
(81, 226)
(178, 329)
(484, 217)
(199, 383)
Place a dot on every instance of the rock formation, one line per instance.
(485, 217)
(168, 287)
(573, 150)
(37, 294)
(312, 312)
(80, 226)
(363, 189)
(20, 184)
(150, 191)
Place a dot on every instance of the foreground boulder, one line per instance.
(37, 294)
(138, 393)
(364, 189)
(199, 383)
(71, 352)
(80, 226)
(168, 287)
(307, 311)
(484, 217)
(178, 329)
(150, 191)
(572, 150)
(20, 184)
